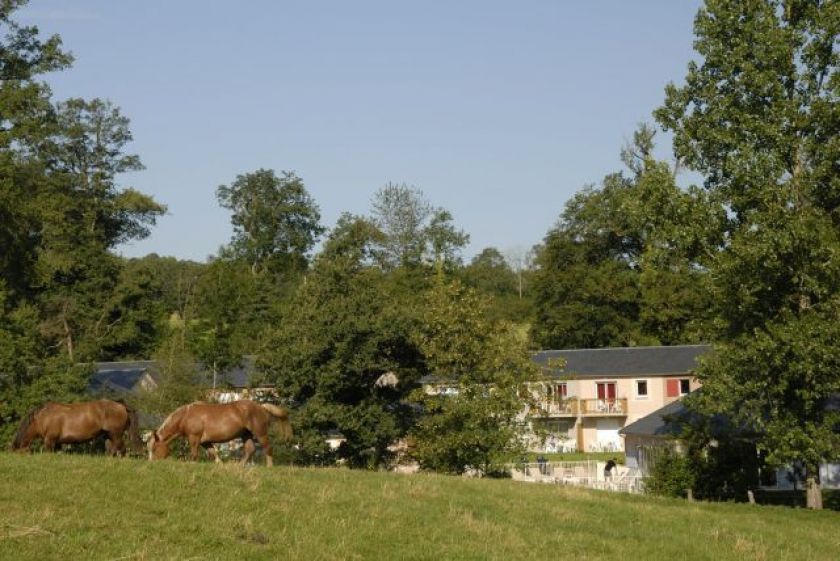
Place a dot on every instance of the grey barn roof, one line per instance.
(623, 361)
(122, 377)
(119, 377)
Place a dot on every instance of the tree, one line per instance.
(178, 381)
(345, 328)
(233, 309)
(401, 213)
(82, 214)
(521, 262)
(490, 274)
(759, 117)
(626, 263)
(275, 221)
(415, 232)
(477, 426)
(27, 120)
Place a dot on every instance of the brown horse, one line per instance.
(63, 423)
(205, 424)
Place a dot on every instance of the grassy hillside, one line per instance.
(77, 507)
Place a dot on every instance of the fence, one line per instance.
(587, 473)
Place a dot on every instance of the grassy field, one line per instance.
(77, 507)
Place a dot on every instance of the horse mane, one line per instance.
(179, 411)
(24, 425)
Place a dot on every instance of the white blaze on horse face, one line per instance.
(150, 444)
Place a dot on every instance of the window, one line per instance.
(558, 426)
(641, 389)
(605, 390)
(676, 387)
(556, 392)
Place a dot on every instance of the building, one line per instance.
(586, 396)
(119, 378)
(663, 427)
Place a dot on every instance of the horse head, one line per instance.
(158, 448)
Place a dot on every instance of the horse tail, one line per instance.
(281, 417)
(17, 444)
(133, 428)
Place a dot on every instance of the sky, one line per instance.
(497, 111)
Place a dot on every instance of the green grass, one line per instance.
(77, 507)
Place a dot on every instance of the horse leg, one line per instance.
(195, 441)
(249, 448)
(266, 445)
(212, 453)
(49, 444)
(117, 444)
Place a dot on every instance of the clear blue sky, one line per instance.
(497, 111)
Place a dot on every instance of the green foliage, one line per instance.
(475, 427)
(347, 326)
(415, 232)
(759, 117)
(625, 265)
(782, 379)
(232, 309)
(672, 474)
(275, 221)
(27, 379)
(491, 274)
(178, 376)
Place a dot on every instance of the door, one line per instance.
(608, 439)
(606, 391)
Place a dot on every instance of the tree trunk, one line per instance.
(68, 335)
(813, 491)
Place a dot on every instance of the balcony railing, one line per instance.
(564, 408)
(570, 407)
(604, 407)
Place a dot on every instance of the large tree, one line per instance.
(83, 214)
(415, 232)
(625, 264)
(62, 211)
(275, 221)
(27, 120)
(484, 363)
(347, 326)
(758, 116)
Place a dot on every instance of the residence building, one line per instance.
(586, 396)
(662, 427)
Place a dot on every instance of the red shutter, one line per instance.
(672, 388)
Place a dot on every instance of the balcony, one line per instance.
(564, 408)
(604, 407)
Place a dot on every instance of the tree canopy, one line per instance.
(758, 116)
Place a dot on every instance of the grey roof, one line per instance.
(241, 376)
(668, 421)
(623, 361)
(656, 424)
(119, 377)
(122, 377)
